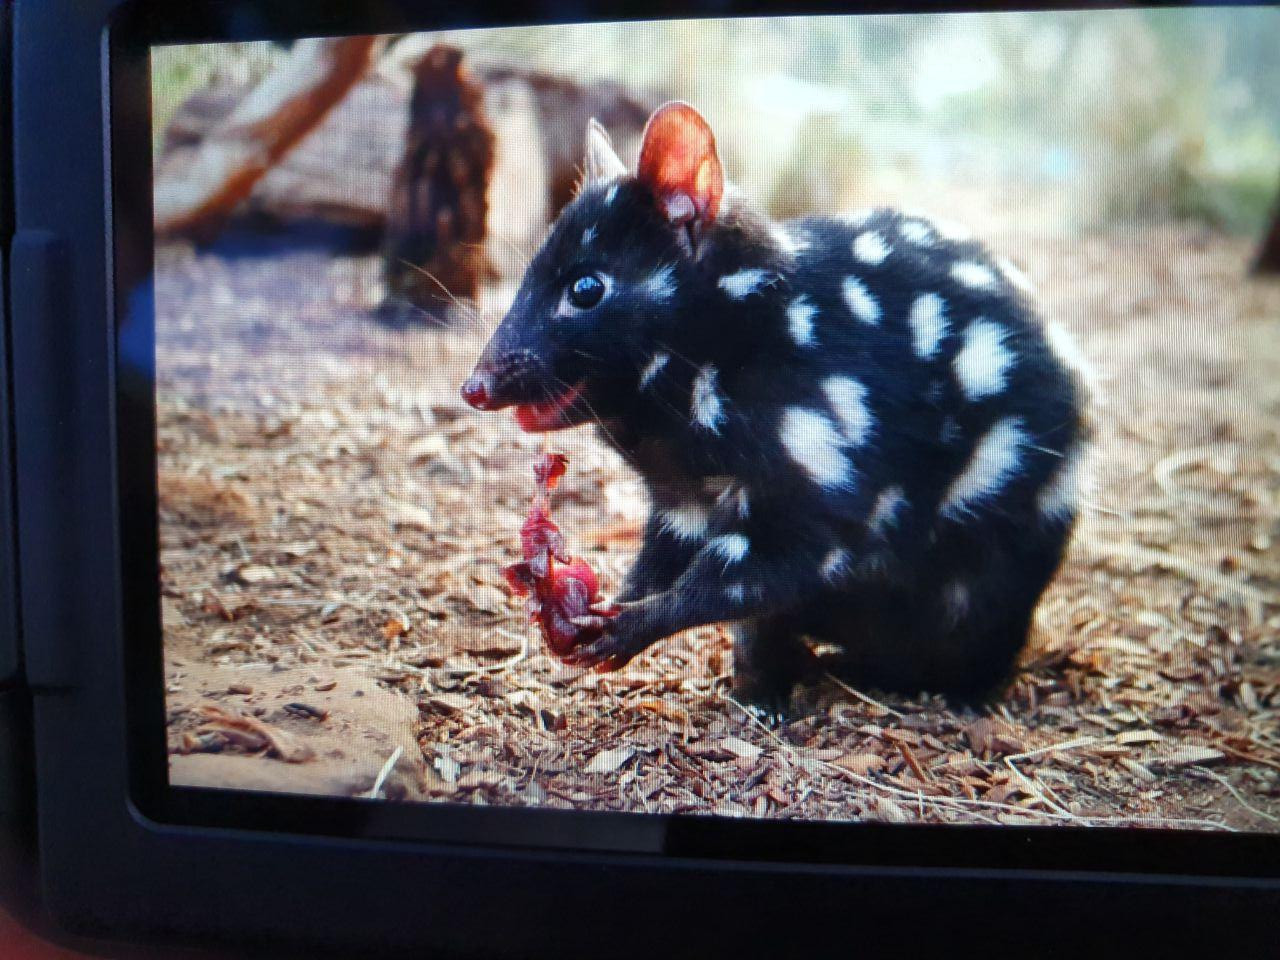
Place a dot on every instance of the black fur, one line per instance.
(939, 599)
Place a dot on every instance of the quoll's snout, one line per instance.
(504, 378)
(477, 389)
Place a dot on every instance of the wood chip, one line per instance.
(1185, 756)
(255, 573)
(1138, 736)
(606, 761)
(860, 763)
(448, 768)
(448, 702)
(395, 627)
(980, 733)
(740, 748)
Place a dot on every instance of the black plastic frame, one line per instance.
(123, 852)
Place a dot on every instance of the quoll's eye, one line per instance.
(586, 291)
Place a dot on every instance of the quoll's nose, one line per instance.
(478, 390)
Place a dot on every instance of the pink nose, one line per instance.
(478, 390)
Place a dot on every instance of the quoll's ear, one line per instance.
(678, 161)
(601, 162)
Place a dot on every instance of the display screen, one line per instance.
(834, 419)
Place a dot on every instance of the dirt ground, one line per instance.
(334, 522)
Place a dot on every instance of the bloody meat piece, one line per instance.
(549, 469)
(561, 590)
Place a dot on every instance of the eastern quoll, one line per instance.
(854, 431)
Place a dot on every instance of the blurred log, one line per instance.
(1267, 262)
(339, 174)
(342, 172)
(433, 251)
(198, 190)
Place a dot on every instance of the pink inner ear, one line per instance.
(678, 161)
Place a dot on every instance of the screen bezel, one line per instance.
(673, 836)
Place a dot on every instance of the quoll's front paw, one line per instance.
(614, 649)
(770, 703)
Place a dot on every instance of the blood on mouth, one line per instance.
(560, 590)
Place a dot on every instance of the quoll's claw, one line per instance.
(603, 655)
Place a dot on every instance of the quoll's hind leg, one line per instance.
(956, 625)
(769, 659)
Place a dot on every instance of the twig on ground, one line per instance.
(871, 701)
(1235, 793)
(375, 792)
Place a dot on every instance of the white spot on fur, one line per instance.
(729, 547)
(588, 235)
(983, 361)
(706, 408)
(1059, 499)
(835, 565)
(950, 230)
(659, 285)
(688, 521)
(884, 513)
(813, 441)
(745, 282)
(861, 303)
(858, 218)
(916, 231)
(1014, 275)
(1065, 348)
(928, 320)
(848, 399)
(994, 461)
(653, 368)
(741, 500)
(786, 240)
(978, 276)
(736, 592)
(611, 194)
(800, 319)
(870, 248)
(955, 597)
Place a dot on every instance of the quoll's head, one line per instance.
(617, 271)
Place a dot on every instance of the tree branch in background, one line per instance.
(195, 196)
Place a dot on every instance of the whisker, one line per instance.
(595, 415)
(467, 309)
